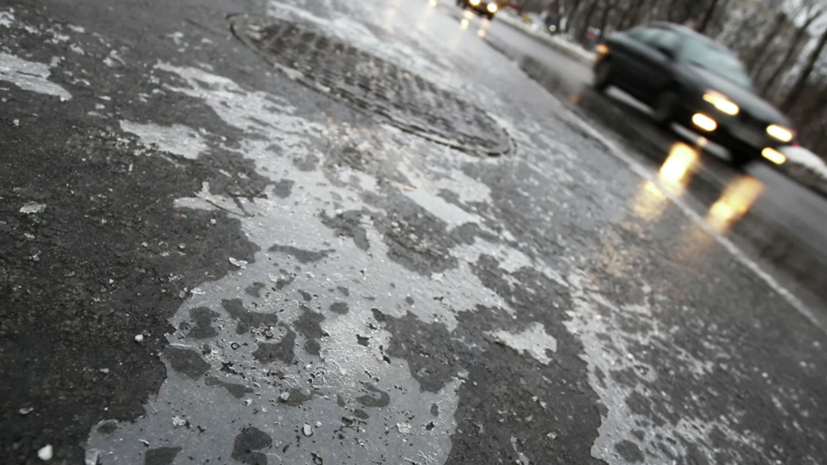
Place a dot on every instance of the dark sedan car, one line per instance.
(485, 8)
(689, 79)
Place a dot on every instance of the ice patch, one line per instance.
(451, 214)
(510, 260)
(29, 75)
(610, 350)
(532, 340)
(356, 33)
(32, 208)
(177, 37)
(6, 18)
(177, 139)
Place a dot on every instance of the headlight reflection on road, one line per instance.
(424, 19)
(649, 202)
(481, 32)
(674, 176)
(463, 24)
(734, 203)
(677, 169)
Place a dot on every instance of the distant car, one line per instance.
(805, 166)
(689, 79)
(485, 8)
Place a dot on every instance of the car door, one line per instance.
(648, 60)
(656, 63)
(628, 51)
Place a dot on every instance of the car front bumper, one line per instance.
(735, 133)
(482, 8)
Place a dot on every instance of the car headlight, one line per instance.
(722, 103)
(474, 2)
(774, 156)
(780, 132)
(492, 7)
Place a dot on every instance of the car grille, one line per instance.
(753, 123)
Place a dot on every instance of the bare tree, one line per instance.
(760, 50)
(707, 17)
(814, 12)
(608, 7)
(798, 87)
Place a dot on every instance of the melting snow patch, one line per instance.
(6, 18)
(32, 208)
(533, 340)
(45, 453)
(30, 76)
(177, 139)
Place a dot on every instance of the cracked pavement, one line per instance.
(312, 283)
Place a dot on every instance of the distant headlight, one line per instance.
(722, 103)
(780, 132)
(492, 7)
(474, 2)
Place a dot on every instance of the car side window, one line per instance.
(665, 39)
(643, 34)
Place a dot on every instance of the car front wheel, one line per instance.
(739, 158)
(664, 108)
(602, 75)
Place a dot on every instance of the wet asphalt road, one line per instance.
(209, 259)
(779, 222)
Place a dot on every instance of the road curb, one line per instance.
(572, 51)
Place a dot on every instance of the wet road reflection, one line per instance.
(390, 15)
(676, 172)
(736, 200)
(675, 176)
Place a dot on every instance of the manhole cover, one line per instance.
(373, 84)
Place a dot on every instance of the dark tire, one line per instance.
(602, 75)
(665, 108)
(739, 159)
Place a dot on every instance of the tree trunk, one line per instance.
(629, 16)
(584, 25)
(604, 20)
(798, 87)
(571, 16)
(790, 54)
(671, 10)
(707, 18)
(758, 52)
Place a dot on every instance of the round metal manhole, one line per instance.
(373, 84)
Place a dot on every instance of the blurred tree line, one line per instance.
(780, 41)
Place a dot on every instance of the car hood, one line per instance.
(744, 98)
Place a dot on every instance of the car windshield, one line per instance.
(712, 58)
